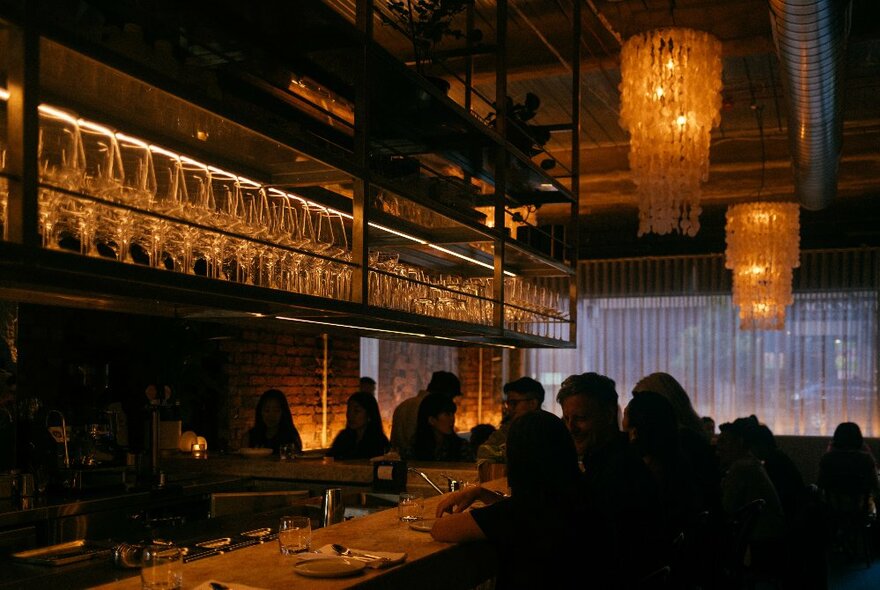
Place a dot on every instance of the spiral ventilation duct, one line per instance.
(810, 37)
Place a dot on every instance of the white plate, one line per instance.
(329, 567)
(425, 525)
(249, 452)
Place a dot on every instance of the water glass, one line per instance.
(287, 452)
(162, 568)
(410, 507)
(294, 534)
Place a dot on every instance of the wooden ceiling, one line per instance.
(749, 154)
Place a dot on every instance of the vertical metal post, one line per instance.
(360, 250)
(575, 166)
(501, 158)
(324, 373)
(469, 57)
(23, 59)
(480, 386)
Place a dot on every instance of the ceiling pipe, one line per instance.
(810, 38)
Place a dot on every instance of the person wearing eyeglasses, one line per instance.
(522, 396)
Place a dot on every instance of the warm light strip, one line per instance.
(58, 114)
(160, 150)
(481, 343)
(288, 319)
(132, 140)
(398, 233)
(95, 127)
(4, 94)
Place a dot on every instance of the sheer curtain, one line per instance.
(820, 371)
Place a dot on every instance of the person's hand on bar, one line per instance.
(462, 499)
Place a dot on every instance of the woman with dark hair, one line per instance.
(273, 424)
(541, 521)
(695, 443)
(363, 436)
(435, 431)
(649, 420)
(847, 468)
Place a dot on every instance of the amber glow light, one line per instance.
(670, 98)
(763, 246)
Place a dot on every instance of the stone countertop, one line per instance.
(311, 470)
(429, 564)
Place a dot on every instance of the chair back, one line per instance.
(656, 580)
(739, 532)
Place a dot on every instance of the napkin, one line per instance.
(216, 585)
(391, 558)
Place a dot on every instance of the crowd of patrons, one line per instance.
(622, 497)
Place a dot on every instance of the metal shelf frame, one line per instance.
(28, 272)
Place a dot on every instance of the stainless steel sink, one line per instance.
(364, 503)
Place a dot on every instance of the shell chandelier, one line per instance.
(763, 246)
(670, 98)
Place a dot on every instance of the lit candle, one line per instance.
(200, 450)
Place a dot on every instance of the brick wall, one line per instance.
(264, 359)
(470, 410)
(219, 371)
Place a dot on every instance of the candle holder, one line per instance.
(199, 450)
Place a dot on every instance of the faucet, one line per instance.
(63, 434)
(427, 479)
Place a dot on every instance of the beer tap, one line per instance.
(63, 434)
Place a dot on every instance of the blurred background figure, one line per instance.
(848, 468)
(273, 424)
(480, 434)
(367, 385)
(709, 428)
(363, 436)
(406, 414)
(436, 439)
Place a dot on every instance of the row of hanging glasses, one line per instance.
(409, 288)
(161, 209)
(530, 308)
(535, 309)
(107, 194)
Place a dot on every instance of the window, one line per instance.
(806, 379)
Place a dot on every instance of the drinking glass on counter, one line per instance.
(162, 568)
(294, 534)
(410, 507)
(287, 452)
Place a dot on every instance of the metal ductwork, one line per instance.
(810, 37)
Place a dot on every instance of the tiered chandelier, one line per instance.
(670, 98)
(763, 246)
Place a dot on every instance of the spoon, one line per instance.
(346, 552)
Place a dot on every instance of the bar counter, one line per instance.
(312, 473)
(429, 564)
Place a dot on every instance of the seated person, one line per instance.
(847, 469)
(649, 420)
(780, 468)
(406, 415)
(521, 396)
(538, 529)
(744, 481)
(273, 424)
(480, 434)
(363, 436)
(436, 439)
(620, 490)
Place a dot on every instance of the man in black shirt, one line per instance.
(620, 493)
